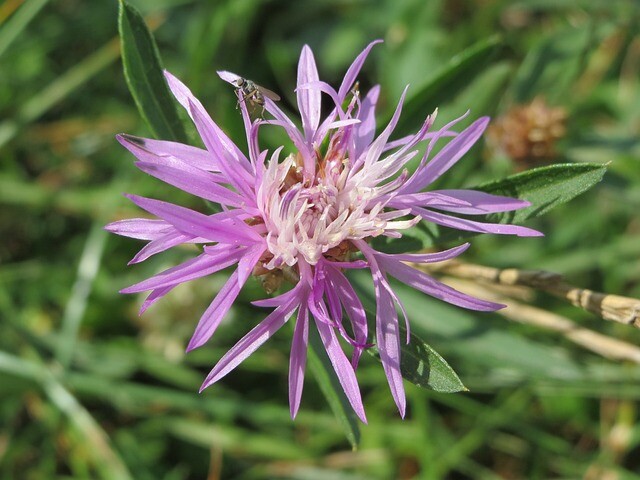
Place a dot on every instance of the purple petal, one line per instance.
(251, 130)
(196, 157)
(216, 311)
(343, 123)
(418, 137)
(280, 299)
(403, 310)
(309, 100)
(147, 156)
(366, 131)
(191, 180)
(431, 135)
(184, 97)
(425, 199)
(473, 226)
(229, 77)
(333, 300)
(324, 87)
(342, 367)
(429, 285)
(355, 311)
(318, 283)
(151, 160)
(140, 228)
(298, 358)
(160, 245)
(388, 341)
(452, 152)
(229, 166)
(479, 202)
(321, 314)
(427, 257)
(418, 181)
(251, 341)
(197, 224)
(285, 122)
(354, 70)
(200, 266)
(153, 297)
(249, 260)
(387, 332)
(389, 166)
(375, 149)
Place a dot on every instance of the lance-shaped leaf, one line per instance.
(143, 72)
(545, 188)
(423, 366)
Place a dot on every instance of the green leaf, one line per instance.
(446, 83)
(545, 187)
(143, 71)
(423, 366)
(331, 389)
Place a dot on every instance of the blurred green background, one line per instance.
(88, 389)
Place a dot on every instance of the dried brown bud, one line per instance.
(528, 133)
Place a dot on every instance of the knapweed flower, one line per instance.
(308, 216)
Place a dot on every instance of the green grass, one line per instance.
(91, 390)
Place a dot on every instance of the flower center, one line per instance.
(311, 218)
(317, 203)
(305, 220)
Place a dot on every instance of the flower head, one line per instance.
(308, 216)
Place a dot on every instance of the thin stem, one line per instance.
(614, 308)
(596, 342)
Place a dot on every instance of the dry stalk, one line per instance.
(596, 342)
(615, 308)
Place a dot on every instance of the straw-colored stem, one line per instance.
(596, 342)
(615, 308)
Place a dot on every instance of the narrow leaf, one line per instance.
(422, 365)
(545, 187)
(143, 71)
(330, 385)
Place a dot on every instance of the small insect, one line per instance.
(254, 93)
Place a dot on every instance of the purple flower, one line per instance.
(307, 218)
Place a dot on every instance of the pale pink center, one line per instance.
(308, 220)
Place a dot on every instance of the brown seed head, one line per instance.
(529, 133)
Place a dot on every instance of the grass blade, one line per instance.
(445, 84)
(16, 24)
(57, 90)
(77, 304)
